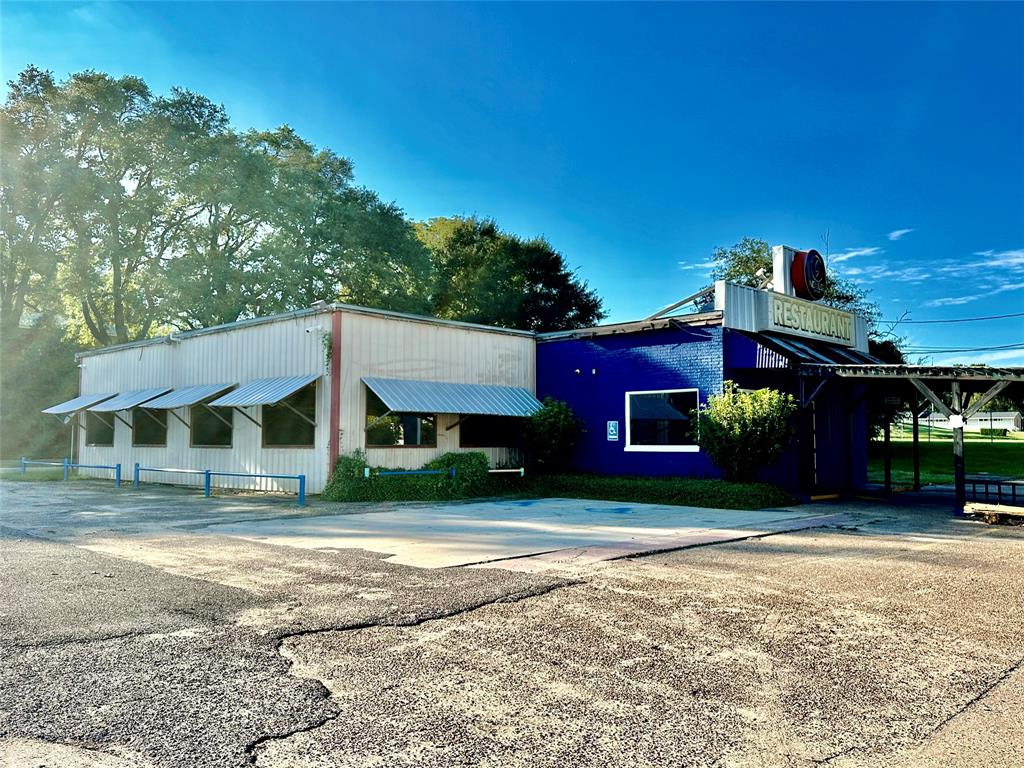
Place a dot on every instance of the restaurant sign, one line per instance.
(797, 317)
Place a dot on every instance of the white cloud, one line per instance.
(696, 265)
(952, 301)
(1008, 287)
(897, 234)
(1002, 357)
(852, 253)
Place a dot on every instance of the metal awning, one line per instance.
(128, 400)
(264, 391)
(805, 352)
(76, 404)
(407, 396)
(186, 396)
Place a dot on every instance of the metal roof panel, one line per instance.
(186, 396)
(265, 391)
(127, 400)
(410, 396)
(77, 404)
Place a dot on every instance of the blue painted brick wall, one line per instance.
(666, 359)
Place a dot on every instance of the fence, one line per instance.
(391, 472)
(999, 495)
(68, 466)
(209, 473)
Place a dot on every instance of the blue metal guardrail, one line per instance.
(209, 473)
(68, 466)
(389, 472)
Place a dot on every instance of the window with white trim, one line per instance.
(662, 421)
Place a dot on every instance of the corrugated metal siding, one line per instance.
(411, 396)
(280, 348)
(396, 349)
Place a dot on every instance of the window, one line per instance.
(149, 428)
(386, 430)
(661, 421)
(211, 427)
(291, 423)
(490, 432)
(99, 430)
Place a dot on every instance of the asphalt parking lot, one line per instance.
(155, 629)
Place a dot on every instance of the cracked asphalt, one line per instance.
(129, 639)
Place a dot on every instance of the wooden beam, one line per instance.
(986, 398)
(932, 397)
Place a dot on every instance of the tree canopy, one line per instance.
(128, 214)
(484, 275)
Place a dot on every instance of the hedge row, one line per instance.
(472, 480)
(681, 491)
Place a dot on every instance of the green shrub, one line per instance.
(472, 471)
(681, 491)
(551, 435)
(994, 431)
(742, 431)
(349, 483)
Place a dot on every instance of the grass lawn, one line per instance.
(1000, 457)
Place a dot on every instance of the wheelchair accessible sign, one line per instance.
(613, 431)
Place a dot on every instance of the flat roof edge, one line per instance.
(635, 326)
(299, 313)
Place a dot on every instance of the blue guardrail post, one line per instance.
(135, 476)
(24, 465)
(453, 473)
(117, 475)
(302, 490)
(66, 463)
(206, 483)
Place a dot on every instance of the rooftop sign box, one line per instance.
(753, 309)
(804, 318)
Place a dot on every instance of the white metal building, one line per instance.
(1011, 421)
(287, 394)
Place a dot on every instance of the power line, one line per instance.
(957, 320)
(1015, 345)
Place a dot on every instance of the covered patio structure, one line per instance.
(955, 391)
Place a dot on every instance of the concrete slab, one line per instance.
(444, 535)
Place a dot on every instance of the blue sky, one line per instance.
(636, 138)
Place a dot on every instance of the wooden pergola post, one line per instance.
(916, 445)
(959, 470)
(887, 455)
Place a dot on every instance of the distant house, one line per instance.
(1011, 421)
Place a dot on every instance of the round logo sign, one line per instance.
(808, 275)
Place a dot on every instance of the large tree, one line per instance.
(484, 275)
(128, 214)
